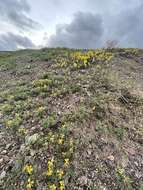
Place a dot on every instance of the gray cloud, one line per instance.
(15, 12)
(128, 27)
(113, 7)
(88, 30)
(11, 41)
(95, 21)
(85, 31)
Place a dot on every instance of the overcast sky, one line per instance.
(65, 23)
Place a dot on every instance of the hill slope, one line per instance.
(71, 119)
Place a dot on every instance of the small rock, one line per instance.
(136, 163)
(138, 175)
(4, 152)
(83, 180)
(28, 66)
(33, 128)
(111, 158)
(32, 121)
(22, 148)
(89, 152)
(131, 151)
(1, 126)
(124, 162)
(2, 175)
(8, 146)
(1, 160)
(32, 152)
(1, 100)
(5, 158)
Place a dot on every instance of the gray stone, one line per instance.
(1, 160)
(83, 180)
(2, 175)
(4, 152)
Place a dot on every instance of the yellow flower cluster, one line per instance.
(15, 122)
(59, 164)
(28, 169)
(22, 131)
(50, 167)
(71, 145)
(62, 62)
(120, 171)
(80, 59)
(60, 173)
(41, 109)
(53, 187)
(62, 185)
(122, 175)
(61, 140)
(132, 51)
(91, 56)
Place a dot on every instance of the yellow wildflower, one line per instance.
(30, 184)
(71, 149)
(28, 169)
(53, 187)
(61, 141)
(62, 185)
(52, 138)
(71, 142)
(22, 131)
(62, 136)
(49, 172)
(50, 163)
(66, 162)
(41, 109)
(85, 61)
(50, 167)
(63, 126)
(60, 173)
(9, 123)
(63, 154)
(121, 171)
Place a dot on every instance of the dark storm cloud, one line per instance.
(85, 31)
(122, 21)
(128, 27)
(11, 41)
(15, 12)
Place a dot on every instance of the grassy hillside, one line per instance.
(71, 119)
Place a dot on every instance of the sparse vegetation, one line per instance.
(71, 119)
